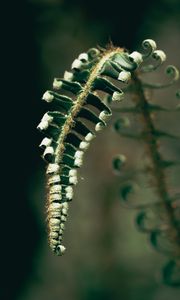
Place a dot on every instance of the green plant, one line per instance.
(73, 124)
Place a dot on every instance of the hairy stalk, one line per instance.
(69, 135)
(82, 98)
(150, 139)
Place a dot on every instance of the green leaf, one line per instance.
(97, 102)
(73, 139)
(73, 87)
(90, 116)
(123, 61)
(105, 85)
(82, 129)
(109, 70)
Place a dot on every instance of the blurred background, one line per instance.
(106, 257)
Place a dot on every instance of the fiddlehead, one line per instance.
(71, 127)
(68, 136)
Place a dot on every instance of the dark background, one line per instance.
(106, 257)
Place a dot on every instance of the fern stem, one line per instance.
(81, 99)
(158, 173)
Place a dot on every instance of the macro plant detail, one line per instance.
(81, 110)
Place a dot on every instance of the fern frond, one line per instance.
(68, 135)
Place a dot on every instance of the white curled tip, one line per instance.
(57, 84)
(89, 137)
(93, 53)
(54, 221)
(65, 205)
(54, 179)
(60, 249)
(54, 213)
(62, 226)
(52, 168)
(83, 57)
(159, 55)
(47, 118)
(69, 195)
(78, 162)
(136, 57)
(60, 231)
(69, 189)
(48, 151)
(53, 234)
(64, 211)
(84, 145)
(73, 180)
(63, 218)
(78, 154)
(54, 205)
(68, 76)
(43, 125)
(117, 96)
(124, 76)
(57, 188)
(77, 64)
(99, 126)
(104, 115)
(48, 97)
(54, 197)
(173, 72)
(73, 172)
(45, 121)
(150, 45)
(45, 142)
(54, 242)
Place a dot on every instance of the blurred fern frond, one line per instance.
(160, 219)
